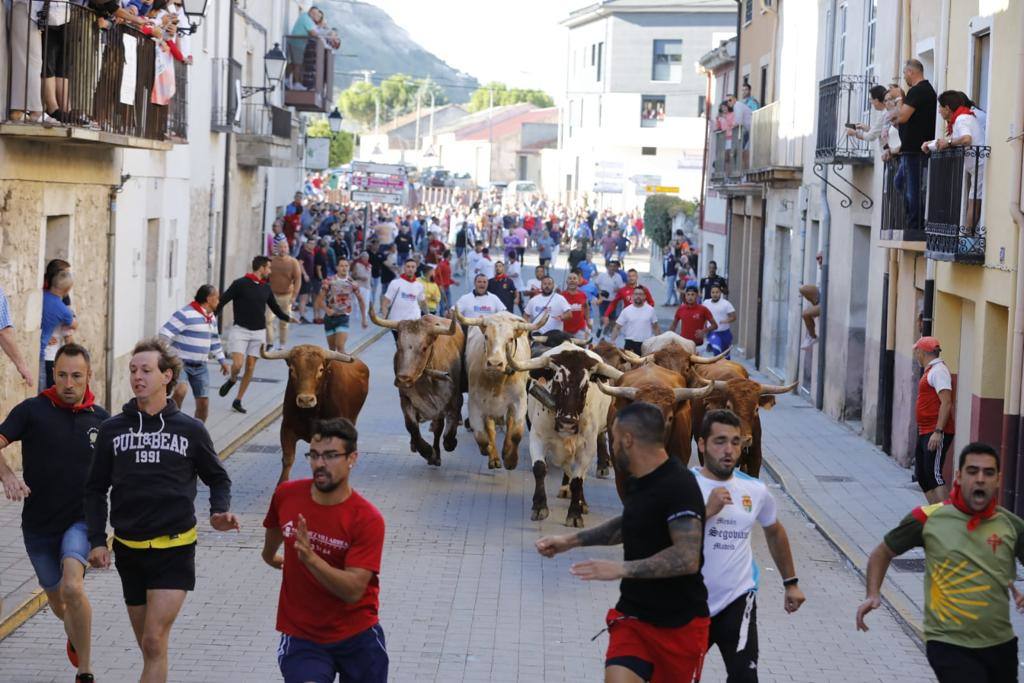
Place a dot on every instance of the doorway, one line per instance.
(778, 303)
(858, 316)
(152, 273)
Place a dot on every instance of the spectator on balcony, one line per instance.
(916, 121)
(743, 116)
(26, 65)
(748, 99)
(56, 102)
(982, 117)
(963, 129)
(881, 122)
(725, 122)
(303, 32)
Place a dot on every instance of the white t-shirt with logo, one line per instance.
(556, 306)
(721, 310)
(729, 569)
(405, 298)
(637, 322)
(473, 306)
(515, 274)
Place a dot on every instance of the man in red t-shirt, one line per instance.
(333, 540)
(935, 423)
(578, 323)
(694, 319)
(625, 295)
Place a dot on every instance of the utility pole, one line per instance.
(490, 115)
(367, 73)
(376, 113)
(419, 92)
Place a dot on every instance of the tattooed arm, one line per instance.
(609, 533)
(680, 559)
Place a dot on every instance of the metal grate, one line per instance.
(914, 565)
(259, 448)
(832, 478)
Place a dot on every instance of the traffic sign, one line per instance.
(378, 197)
(382, 169)
(662, 189)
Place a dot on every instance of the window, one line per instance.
(668, 61)
(593, 55)
(764, 85)
(649, 151)
(869, 42)
(652, 110)
(702, 103)
(748, 11)
(600, 57)
(979, 83)
(840, 61)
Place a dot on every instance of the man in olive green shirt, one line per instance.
(970, 546)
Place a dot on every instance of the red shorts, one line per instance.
(672, 655)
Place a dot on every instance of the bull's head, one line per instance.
(673, 357)
(500, 332)
(568, 371)
(744, 397)
(414, 347)
(667, 399)
(307, 365)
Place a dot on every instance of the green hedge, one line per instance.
(659, 211)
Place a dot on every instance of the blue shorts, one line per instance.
(334, 324)
(359, 659)
(47, 552)
(719, 341)
(198, 376)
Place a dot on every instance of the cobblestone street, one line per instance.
(464, 596)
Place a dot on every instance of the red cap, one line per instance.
(927, 344)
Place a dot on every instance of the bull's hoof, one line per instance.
(563, 491)
(574, 519)
(539, 514)
(494, 464)
(603, 472)
(435, 460)
(512, 461)
(469, 428)
(426, 453)
(451, 443)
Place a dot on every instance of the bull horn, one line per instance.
(608, 371)
(631, 357)
(720, 385)
(337, 355)
(536, 324)
(273, 355)
(446, 330)
(777, 388)
(708, 360)
(628, 393)
(686, 393)
(469, 322)
(540, 338)
(579, 342)
(538, 363)
(388, 324)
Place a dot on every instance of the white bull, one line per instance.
(566, 417)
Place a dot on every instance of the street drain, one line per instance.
(915, 565)
(259, 448)
(832, 478)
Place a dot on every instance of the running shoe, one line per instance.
(84, 678)
(72, 654)
(809, 341)
(236, 405)
(226, 387)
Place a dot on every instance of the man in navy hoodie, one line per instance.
(149, 457)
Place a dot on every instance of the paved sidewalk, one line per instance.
(19, 590)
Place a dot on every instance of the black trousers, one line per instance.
(956, 664)
(734, 626)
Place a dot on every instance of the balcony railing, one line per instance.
(266, 120)
(773, 156)
(226, 81)
(730, 159)
(309, 81)
(901, 222)
(105, 79)
(956, 186)
(842, 100)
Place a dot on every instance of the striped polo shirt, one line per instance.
(193, 334)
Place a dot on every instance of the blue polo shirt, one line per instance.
(55, 312)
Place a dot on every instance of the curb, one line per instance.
(898, 605)
(29, 607)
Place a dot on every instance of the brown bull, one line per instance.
(321, 384)
(668, 391)
(428, 374)
(675, 358)
(733, 389)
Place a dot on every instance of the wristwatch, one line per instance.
(790, 582)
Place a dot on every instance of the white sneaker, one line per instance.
(808, 342)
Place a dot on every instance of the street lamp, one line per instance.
(334, 120)
(195, 15)
(274, 63)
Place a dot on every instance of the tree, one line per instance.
(481, 97)
(341, 142)
(659, 211)
(359, 102)
(398, 95)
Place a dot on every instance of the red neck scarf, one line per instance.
(960, 111)
(87, 401)
(500, 277)
(254, 277)
(199, 307)
(407, 278)
(956, 498)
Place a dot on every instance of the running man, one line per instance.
(550, 301)
(480, 302)
(694, 319)
(192, 333)
(720, 338)
(734, 502)
(971, 547)
(625, 296)
(336, 298)
(638, 322)
(333, 541)
(404, 298)
(148, 457)
(57, 430)
(250, 294)
(285, 283)
(658, 631)
(935, 425)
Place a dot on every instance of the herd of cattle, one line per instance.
(566, 396)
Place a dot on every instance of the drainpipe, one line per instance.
(1011, 444)
(760, 284)
(225, 201)
(211, 231)
(108, 349)
(739, 40)
(887, 354)
(707, 140)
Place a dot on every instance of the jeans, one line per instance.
(673, 295)
(47, 552)
(908, 180)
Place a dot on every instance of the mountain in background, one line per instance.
(378, 43)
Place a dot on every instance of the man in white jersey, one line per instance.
(479, 303)
(724, 312)
(404, 299)
(734, 501)
(549, 300)
(638, 322)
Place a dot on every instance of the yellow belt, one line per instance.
(162, 542)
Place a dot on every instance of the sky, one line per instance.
(520, 43)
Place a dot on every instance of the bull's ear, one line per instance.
(766, 401)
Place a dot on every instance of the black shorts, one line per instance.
(733, 627)
(634, 346)
(150, 569)
(956, 664)
(928, 464)
(55, 64)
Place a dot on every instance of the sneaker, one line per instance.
(72, 654)
(84, 678)
(236, 405)
(809, 341)
(226, 387)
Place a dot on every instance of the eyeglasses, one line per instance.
(329, 456)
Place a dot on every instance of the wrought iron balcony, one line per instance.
(954, 226)
(265, 136)
(842, 100)
(309, 76)
(111, 88)
(899, 223)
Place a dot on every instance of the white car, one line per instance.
(519, 191)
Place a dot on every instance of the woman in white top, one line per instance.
(963, 129)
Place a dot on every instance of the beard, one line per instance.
(717, 469)
(621, 459)
(325, 486)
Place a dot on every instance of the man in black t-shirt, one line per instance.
(713, 279)
(501, 286)
(916, 121)
(659, 628)
(58, 430)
